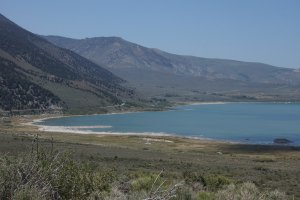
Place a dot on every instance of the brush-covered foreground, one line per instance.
(73, 166)
(48, 175)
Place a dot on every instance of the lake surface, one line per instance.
(241, 122)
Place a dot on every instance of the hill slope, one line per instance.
(73, 81)
(159, 72)
(20, 94)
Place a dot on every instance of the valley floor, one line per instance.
(269, 167)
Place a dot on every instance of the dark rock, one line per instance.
(282, 141)
(125, 187)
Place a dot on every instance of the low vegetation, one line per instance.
(42, 176)
(50, 176)
(45, 174)
(65, 166)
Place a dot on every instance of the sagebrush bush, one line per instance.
(205, 196)
(28, 194)
(144, 183)
(150, 183)
(47, 176)
(183, 193)
(248, 191)
(210, 182)
(215, 182)
(44, 175)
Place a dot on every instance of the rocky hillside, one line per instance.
(18, 93)
(115, 52)
(52, 76)
(158, 73)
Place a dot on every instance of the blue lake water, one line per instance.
(242, 122)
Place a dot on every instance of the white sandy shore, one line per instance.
(69, 128)
(207, 103)
(78, 129)
(85, 129)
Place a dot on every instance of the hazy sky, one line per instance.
(250, 30)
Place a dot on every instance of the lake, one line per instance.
(241, 122)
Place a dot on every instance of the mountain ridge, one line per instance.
(154, 72)
(115, 52)
(77, 82)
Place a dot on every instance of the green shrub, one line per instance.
(183, 193)
(248, 191)
(209, 182)
(144, 183)
(275, 195)
(215, 182)
(192, 177)
(152, 187)
(28, 194)
(51, 177)
(205, 196)
(45, 176)
(261, 168)
(265, 159)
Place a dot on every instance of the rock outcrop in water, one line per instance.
(282, 141)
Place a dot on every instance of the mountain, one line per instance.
(157, 72)
(35, 74)
(19, 93)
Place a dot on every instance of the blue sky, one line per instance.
(265, 31)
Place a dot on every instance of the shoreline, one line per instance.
(127, 112)
(40, 119)
(84, 130)
(207, 103)
(169, 136)
(76, 129)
